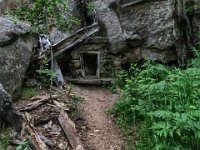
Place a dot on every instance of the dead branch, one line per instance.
(34, 105)
(63, 106)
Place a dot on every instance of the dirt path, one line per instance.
(102, 133)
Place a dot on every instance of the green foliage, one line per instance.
(90, 8)
(120, 77)
(192, 7)
(74, 102)
(45, 74)
(28, 92)
(164, 104)
(196, 52)
(5, 139)
(24, 146)
(43, 14)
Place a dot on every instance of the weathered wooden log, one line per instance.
(42, 119)
(135, 2)
(62, 106)
(99, 81)
(35, 138)
(70, 131)
(37, 103)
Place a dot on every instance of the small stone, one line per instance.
(63, 146)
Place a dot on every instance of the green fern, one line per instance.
(164, 103)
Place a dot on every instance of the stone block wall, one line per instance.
(93, 45)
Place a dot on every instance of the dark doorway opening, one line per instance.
(126, 66)
(90, 64)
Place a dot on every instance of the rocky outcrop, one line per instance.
(193, 15)
(149, 26)
(5, 101)
(7, 114)
(111, 22)
(16, 46)
(159, 29)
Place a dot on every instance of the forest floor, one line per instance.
(99, 130)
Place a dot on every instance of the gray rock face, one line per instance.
(146, 25)
(5, 100)
(195, 19)
(111, 21)
(152, 22)
(152, 26)
(7, 114)
(16, 46)
(57, 35)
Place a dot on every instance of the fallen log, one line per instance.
(42, 119)
(70, 131)
(35, 104)
(35, 138)
(62, 106)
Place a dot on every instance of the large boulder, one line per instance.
(161, 30)
(5, 101)
(151, 24)
(194, 13)
(110, 20)
(7, 114)
(147, 25)
(16, 45)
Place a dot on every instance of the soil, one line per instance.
(99, 131)
(95, 126)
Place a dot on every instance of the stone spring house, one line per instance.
(130, 32)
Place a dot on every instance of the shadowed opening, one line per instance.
(90, 64)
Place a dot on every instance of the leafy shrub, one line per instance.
(24, 146)
(43, 14)
(90, 8)
(164, 104)
(45, 74)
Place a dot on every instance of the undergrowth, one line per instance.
(4, 139)
(28, 92)
(163, 104)
(24, 146)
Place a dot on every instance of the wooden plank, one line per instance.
(93, 81)
(70, 131)
(132, 3)
(59, 45)
(76, 41)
